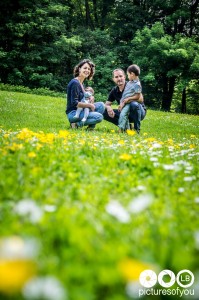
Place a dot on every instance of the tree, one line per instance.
(164, 61)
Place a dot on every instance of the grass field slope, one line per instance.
(82, 214)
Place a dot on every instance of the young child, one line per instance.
(132, 90)
(86, 99)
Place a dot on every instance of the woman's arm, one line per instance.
(86, 105)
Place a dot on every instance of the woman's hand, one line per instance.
(92, 99)
(92, 107)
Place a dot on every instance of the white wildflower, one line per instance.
(49, 208)
(115, 209)
(14, 247)
(140, 203)
(132, 289)
(30, 209)
(47, 288)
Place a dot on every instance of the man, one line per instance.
(137, 107)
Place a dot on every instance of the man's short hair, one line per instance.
(118, 69)
(134, 69)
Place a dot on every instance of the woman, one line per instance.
(75, 92)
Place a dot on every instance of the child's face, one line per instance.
(131, 76)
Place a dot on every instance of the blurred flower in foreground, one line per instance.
(30, 209)
(115, 209)
(47, 288)
(131, 268)
(17, 263)
(140, 203)
(132, 289)
(131, 132)
(125, 156)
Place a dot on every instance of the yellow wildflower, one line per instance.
(14, 273)
(31, 154)
(63, 133)
(130, 132)
(131, 268)
(121, 142)
(192, 146)
(125, 156)
(192, 136)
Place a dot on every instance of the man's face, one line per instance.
(119, 78)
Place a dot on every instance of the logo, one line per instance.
(148, 278)
(166, 279)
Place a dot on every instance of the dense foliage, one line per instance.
(41, 41)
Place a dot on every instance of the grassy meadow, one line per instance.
(82, 214)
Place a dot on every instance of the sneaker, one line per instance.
(73, 125)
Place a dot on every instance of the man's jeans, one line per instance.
(136, 115)
(94, 117)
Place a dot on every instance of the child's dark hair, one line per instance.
(134, 69)
(80, 64)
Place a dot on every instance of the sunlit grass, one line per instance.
(99, 207)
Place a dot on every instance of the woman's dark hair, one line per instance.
(134, 69)
(80, 64)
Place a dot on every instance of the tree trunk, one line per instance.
(184, 95)
(168, 89)
(89, 22)
(95, 13)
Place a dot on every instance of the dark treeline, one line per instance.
(42, 40)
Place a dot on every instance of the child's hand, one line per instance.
(121, 106)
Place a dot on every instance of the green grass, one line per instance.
(101, 206)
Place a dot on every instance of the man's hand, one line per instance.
(110, 112)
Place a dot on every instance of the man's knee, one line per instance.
(134, 105)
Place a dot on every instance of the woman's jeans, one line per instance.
(94, 117)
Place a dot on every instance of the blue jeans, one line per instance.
(136, 115)
(94, 117)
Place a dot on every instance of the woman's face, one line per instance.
(84, 70)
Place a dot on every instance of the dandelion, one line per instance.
(17, 263)
(32, 154)
(115, 209)
(131, 268)
(47, 288)
(140, 203)
(130, 132)
(125, 156)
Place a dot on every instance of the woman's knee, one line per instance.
(99, 107)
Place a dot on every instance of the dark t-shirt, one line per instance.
(115, 94)
(74, 95)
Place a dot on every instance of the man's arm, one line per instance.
(137, 97)
(109, 109)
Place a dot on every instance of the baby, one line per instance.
(86, 99)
